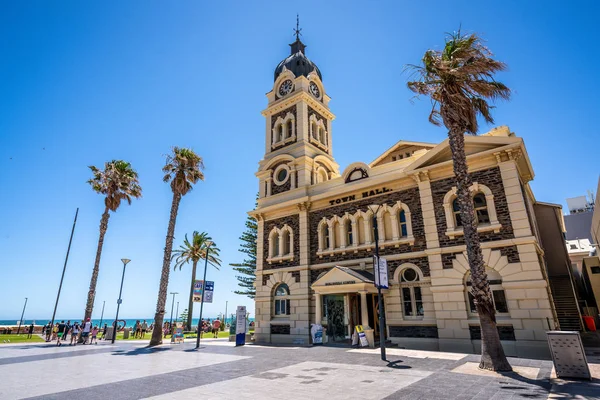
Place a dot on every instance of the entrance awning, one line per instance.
(344, 280)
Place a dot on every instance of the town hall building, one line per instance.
(316, 242)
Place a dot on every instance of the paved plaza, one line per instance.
(221, 370)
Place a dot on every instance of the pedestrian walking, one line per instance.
(144, 329)
(85, 331)
(94, 335)
(30, 331)
(74, 334)
(60, 333)
(215, 327)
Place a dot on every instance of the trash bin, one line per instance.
(590, 324)
(126, 334)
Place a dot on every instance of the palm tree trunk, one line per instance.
(191, 303)
(164, 277)
(89, 306)
(492, 353)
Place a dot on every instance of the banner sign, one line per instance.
(197, 294)
(361, 336)
(240, 326)
(209, 288)
(380, 269)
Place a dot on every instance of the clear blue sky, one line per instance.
(85, 82)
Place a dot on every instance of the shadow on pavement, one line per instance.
(139, 351)
(395, 365)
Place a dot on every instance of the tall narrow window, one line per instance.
(282, 301)
(498, 295)
(275, 239)
(481, 211)
(402, 221)
(456, 211)
(281, 132)
(286, 243)
(289, 128)
(348, 233)
(326, 235)
(412, 299)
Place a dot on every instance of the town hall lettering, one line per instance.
(364, 195)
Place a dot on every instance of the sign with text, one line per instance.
(240, 326)
(209, 288)
(197, 293)
(380, 269)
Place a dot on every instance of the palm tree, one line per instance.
(183, 169)
(460, 81)
(117, 182)
(195, 251)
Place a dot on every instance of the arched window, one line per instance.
(360, 224)
(387, 226)
(481, 211)
(456, 212)
(402, 223)
(281, 300)
(498, 295)
(274, 243)
(412, 298)
(287, 243)
(348, 226)
(281, 132)
(337, 240)
(326, 237)
(321, 175)
(314, 130)
(289, 129)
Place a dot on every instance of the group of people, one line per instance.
(60, 331)
(208, 327)
(140, 329)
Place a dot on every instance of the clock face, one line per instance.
(314, 90)
(286, 87)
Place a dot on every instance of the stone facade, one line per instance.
(426, 305)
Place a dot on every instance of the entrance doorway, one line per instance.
(334, 314)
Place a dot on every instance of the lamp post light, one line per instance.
(172, 304)
(176, 313)
(225, 315)
(21, 320)
(208, 244)
(375, 208)
(125, 262)
(102, 315)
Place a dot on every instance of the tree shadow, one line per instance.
(395, 365)
(139, 351)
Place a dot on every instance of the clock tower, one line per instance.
(298, 140)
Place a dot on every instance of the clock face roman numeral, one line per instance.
(314, 89)
(286, 87)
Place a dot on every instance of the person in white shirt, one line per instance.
(85, 332)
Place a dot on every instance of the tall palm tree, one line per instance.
(183, 169)
(117, 182)
(460, 81)
(195, 251)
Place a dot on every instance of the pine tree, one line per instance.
(247, 268)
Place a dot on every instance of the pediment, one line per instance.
(344, 276)
(473, 145)
(400, 149)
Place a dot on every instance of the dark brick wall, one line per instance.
(280, 329)
(276, 189)
(421, 262)
(410, 197)
(294, 222)
(296, 276)
(511, 252)
(447, 260)
(282, 114)
(417, 331)
(490, 178)
(506, 332)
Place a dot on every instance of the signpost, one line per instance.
(240, 326)
(209, 288)
(197, 294)
(381, 273)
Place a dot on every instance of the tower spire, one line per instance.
(297, 30)
(298, 46)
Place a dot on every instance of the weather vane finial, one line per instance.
(297, 30)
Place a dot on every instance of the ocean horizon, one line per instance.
(129, 322)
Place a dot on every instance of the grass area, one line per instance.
(13, 338)
(222, 334)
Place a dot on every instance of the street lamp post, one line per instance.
(21, 320)
(125, 262)
(172, 304)
(225, 315)
(208, 244)
(102, 315)
(376, 264)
